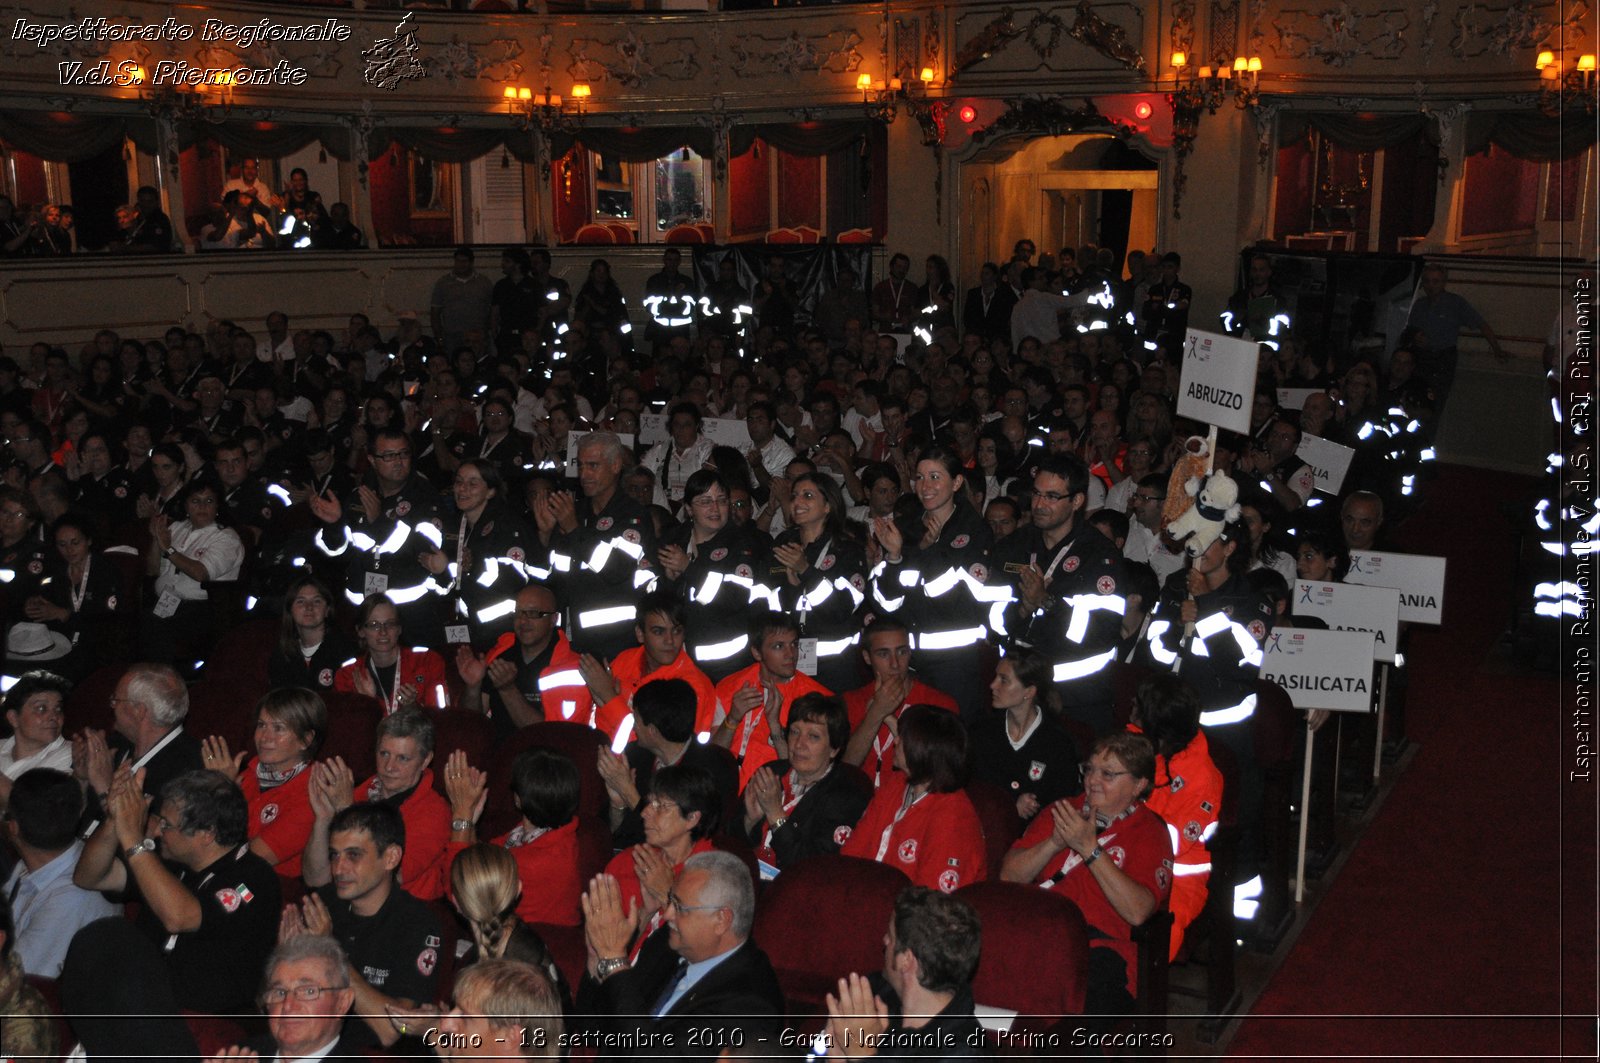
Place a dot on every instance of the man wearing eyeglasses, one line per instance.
(306, 995)
(382, 528)
(1065, 602)
(539, 678)
(698, 981)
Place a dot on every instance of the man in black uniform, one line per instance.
(1064, 603)
(514, 303)
(1166, 308)
(390, 519)
(245, 495)
(209, 905)
(600, 557)
(669, 296)
(392, 939)
(987, 312)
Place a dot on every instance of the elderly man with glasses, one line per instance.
(699, 983)
(306, 994)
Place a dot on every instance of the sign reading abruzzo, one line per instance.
(1218, 379)
(1321, 669)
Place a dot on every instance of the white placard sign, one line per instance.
(1218, 379)
(1321, 669)
(652, 428)
(1419, 577)
(1329, 461)
(572, 448)
(1294, 399)
(727, 432)
(1352, 607)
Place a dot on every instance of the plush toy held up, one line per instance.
(1216, 502)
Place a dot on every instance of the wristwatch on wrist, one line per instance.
(146, 846)
(168, 552)
(1094, 854)
(779, 822)
(609, 966)
(461, 824)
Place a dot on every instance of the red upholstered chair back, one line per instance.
(685, 234)
(854, 236)
(219, 707)
(707, 230)
(469, 732)
(823, 918)
(213, 1033)
(594, 234)
(352, 732)
(997, 811)
(89, 703)
(240, 656)
(620, 233)
(578, 741)
(1035, 958)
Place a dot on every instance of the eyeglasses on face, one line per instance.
(1088, 770)
(382, 625)
(679, 906)
(393, 455)
(307, 993)
(534, 614)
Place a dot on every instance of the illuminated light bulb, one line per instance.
(864, 82)
(511, 92)
(1143, 110)
(926, 76)
(1180, 60)
(968, 114)
(581, 91)
(1546, 58)
(1586, 63)
(1255, 64)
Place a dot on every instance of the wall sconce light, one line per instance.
(881, 98)
(1562, 89)
(546, 109)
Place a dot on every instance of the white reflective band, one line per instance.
(1233, 714)
(1211, 828)
(1244, 902)
(322, 543)
(1207, 626)
(490, 573)
(362, 540)
(352, 597)
(842, 584)
(1182, 870)
(489, 614)
(950, 640)
(889, 604)
(909, 577)
(997, 617)
(816, 595)
(1250, 651)
(624, 732)
(1555, 609)
(567, 677)
(1557, 590)
(430, 533)
(1153, 638)
(568, 707)
(643, 578)
(560, 562)
(615, 614)
(1066, 671)
(704, 738)
(834, 647)
(281, 493)
(407, 595)
(1083, 605)
(1172, 836)
(1227, 321)
(598, 557)
(708, 588)
(721, 651)
(396, 539)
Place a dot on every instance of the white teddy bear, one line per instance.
(1217, 504)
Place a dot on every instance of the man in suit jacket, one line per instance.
(699, 984)
(302, 1029)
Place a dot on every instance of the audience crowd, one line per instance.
(513, 658)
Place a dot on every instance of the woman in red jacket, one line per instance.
(290, 725)
(921, 821)
(400, 677)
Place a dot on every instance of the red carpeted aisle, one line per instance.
(1449, 905)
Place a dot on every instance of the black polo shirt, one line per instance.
(397, 950)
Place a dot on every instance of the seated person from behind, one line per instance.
(663, 729)
(920, 821)
(545, 789)
(41, 823)
(700, 972)
(806, 804)
(505, 1009)
(930, 954)
(390, 938)
(485, 888)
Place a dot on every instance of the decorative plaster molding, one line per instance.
(835, 51)
(1518, 26)
(1337, 35)
(1044, 32)
(459, 60)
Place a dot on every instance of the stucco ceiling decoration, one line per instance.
(835, 51)
(637, 61)
(1518, 26)
(1045, 32)
(1338, 35)
(458, 61)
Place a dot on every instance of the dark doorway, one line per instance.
(98, 186)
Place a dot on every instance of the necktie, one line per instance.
(672, 988)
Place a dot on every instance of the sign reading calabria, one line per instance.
(1352, 607)
(1321, 669)
(1218, 379)
(1420, 579)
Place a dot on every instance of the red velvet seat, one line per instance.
(352, 732)
(824, 918)
(213, 1033)
(240, 656)
(997, 811)
(468, 732)
(1035, 958)
(224, 708)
